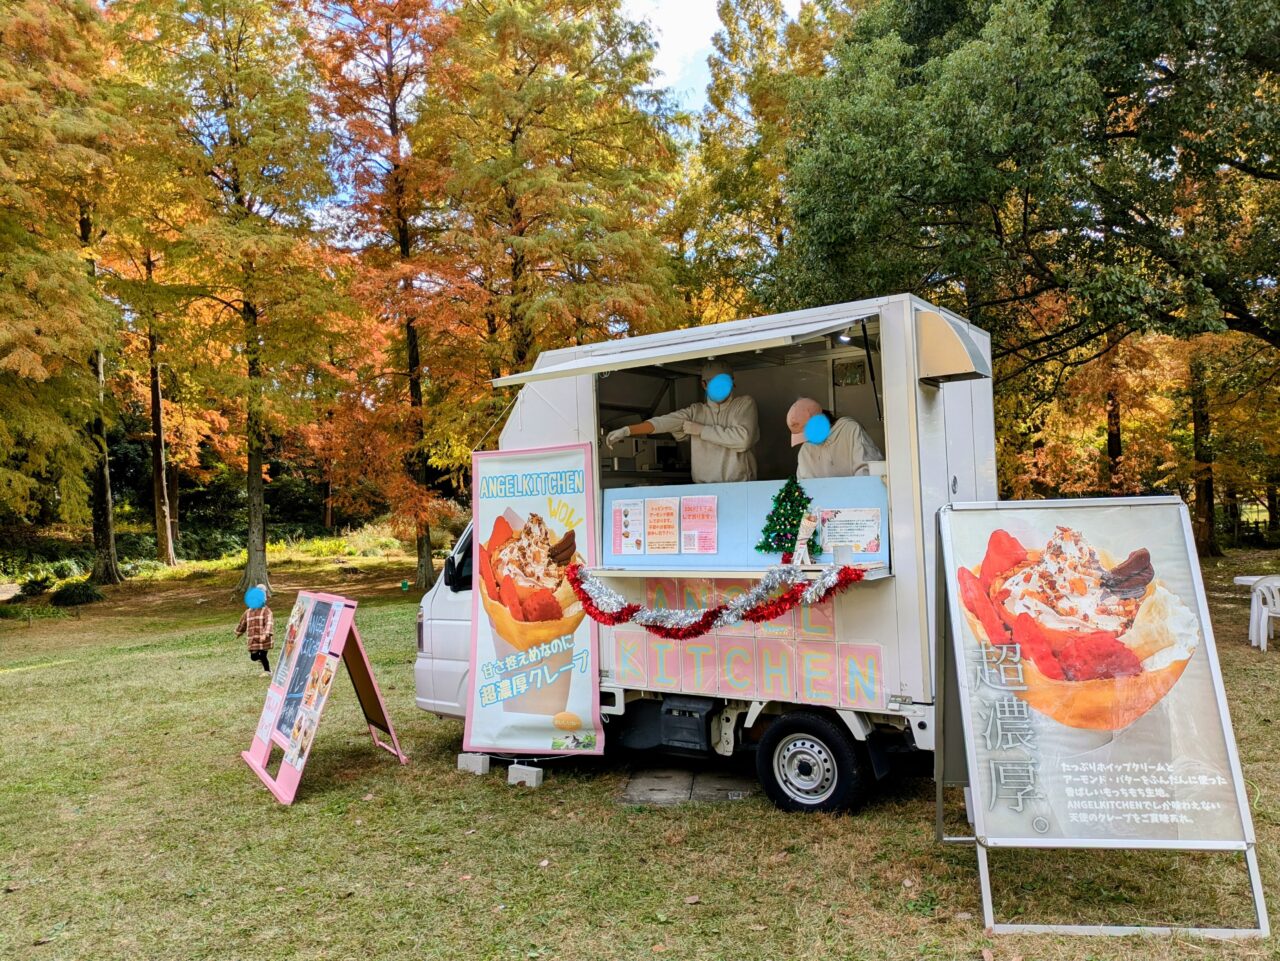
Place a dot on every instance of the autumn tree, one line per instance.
(759, 55)
(233, 75)
(380, 62)
(53, 323)
(562, 159)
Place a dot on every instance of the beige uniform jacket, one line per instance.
(845, 453)
(724, 451)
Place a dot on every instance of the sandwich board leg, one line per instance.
(370, 697)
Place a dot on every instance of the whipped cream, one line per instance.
(1063, 590)
(526, 558)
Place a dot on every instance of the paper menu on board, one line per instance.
(698, 524)
(857, 528)
(662, 525)
(628, 527)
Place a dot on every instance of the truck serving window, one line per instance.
(841, 371)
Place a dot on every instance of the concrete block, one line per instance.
(525, 774)
(474, 763)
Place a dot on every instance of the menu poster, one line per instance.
(1096, 717)
(534, 678)
(321, 632)
(857, 528)
(301, 669)
(628, 527)
(698, 525)
(662, 524)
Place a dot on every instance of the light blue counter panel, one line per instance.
(741, 511)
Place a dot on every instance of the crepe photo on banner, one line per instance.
(1090, 687)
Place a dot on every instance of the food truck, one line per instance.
(823, 693)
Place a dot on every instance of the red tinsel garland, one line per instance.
(765, 611)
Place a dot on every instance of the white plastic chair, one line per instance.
(1264, 608)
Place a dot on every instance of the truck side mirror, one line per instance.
(457, 572)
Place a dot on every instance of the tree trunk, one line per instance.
(106, 567)
(328, 505)
(255, 571)
(1202, 452)
(1273, 504)
(1114, 447)
(159, 485)
(1231, 505)
(425, 574)
(171, 487)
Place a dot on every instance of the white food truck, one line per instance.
(824, 695)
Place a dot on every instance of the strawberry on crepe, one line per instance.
(1101, 643)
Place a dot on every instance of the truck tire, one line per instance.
(807, 762)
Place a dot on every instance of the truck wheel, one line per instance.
(806, 762)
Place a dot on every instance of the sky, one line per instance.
(683, 29)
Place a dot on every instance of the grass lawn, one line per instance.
(130, 828)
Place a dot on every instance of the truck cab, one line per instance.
(824, 697)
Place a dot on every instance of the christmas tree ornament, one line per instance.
(782, 525)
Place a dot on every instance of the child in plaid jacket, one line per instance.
(258, 626)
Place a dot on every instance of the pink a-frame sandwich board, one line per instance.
(321, 631)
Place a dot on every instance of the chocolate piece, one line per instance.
(563, 550)
(1130, 577)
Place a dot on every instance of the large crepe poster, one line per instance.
(534, 683)
(1090, 687)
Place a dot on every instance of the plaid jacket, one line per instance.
(259, 625)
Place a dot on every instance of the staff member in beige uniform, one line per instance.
(846, 452)
(724, 433)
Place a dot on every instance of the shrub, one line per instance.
(374, 540)
(143, 568)
(65, 568)
(36, 583)
(74, 593)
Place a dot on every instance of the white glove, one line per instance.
(692, 429)
(615, 436)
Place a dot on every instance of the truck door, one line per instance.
(447, 634)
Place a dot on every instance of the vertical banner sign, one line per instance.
(1091, 697)
(320, 634)
(535, 683)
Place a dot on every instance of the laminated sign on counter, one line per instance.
(1090, 696)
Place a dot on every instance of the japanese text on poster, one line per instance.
(628, 527)
(662, 525)
(698, 524)
(857, 528)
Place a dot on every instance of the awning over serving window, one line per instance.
(697, 343)
(946, 351)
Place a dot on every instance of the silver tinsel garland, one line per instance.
(774, 581)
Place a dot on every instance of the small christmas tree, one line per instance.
(783, 523)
